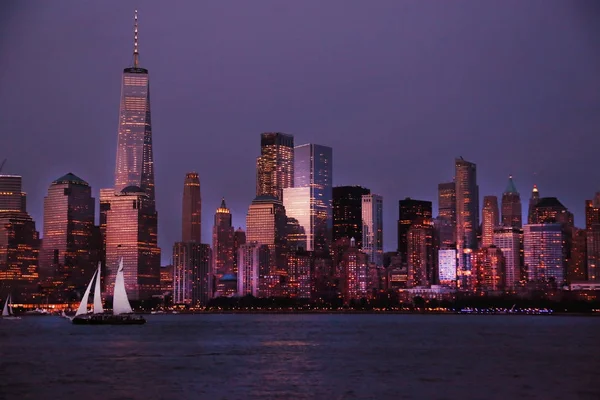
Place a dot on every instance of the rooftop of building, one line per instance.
(510, 187)
(549, 202)
(70, 178)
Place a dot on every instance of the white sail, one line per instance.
(5, 312)
(84, 301)
(120, 301)
(98, 309)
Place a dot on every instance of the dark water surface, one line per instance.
(303, 357)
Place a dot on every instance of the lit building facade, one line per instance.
(447, 215)
(372, 230)
(313, 169)
(511, 206)
(191, 219)
(297, 203)
(488, 269)
(545, 253)
(490, 220)
(266, 223)
(239, 238)
(447, 266)
(347, 213)
(12, 198)
(577, 266)
(421, 271)
(224, 253)
(131, 234)
(183, 272)
(354, 268)
(467, 209)
(299, 274)
(592, 227)
(253, 261)
(509, 240)
(533, 200)
(410, 211)
(67, 252)
(275, 165)
(295, 235)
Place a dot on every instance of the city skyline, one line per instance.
(236, 182)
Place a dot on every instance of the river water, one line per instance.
(303, 357)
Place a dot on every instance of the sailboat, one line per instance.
(122, 312)
(7, 310)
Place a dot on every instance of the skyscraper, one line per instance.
(372, 227)
(275, 165)
(251, 257)
(420, 253)
(129, 213)
(549, 210)
(191, 264)
(509, 240)
(467, 209)
(310, 200)
(488, 269)
(135, 166)
(67, 249)
(592, 227)
(446, 221)
(223, 248)
(490, 218)
(511, 206)
(545, 252)
(347, 213)
(191, 222)
(533, 200)
(266, 224)
(19, 241)
(410, 212)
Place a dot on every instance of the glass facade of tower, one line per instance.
(490, 220)
(467, 208)
(135, 166)
(313, 171)
(12, 199)
(347, 213)
(68, 247)
(266, 223)
(275, 165)
(372, 230)
(410, 212)
(509, 240)
(223, 245)
(545, 253)
(131, 233)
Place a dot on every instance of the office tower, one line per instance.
(166, 280)
(128, 217)
(509, 240)
(295, 235)
(275, 165)
(313, 169)
(372, 230)
(410, 212)
(223, 245)
(420, 262)
(353, 269)
(467, 210)
(266, 224)
(577, 265)
(446, 221)
(511, 206)
(488, 269)
(447, 266)
(12, 199)
(253, 258)
(67, 252)
(239, 238)
(444, 233)
(347, 213)
(533, 200)
(131, 234)
(191, 220)
(202, 261)
(299, 274)
(545, 252)
(592, 227)
(19, 242)
(182, 272)
(298, 208)
(548, 210)
(490, 220)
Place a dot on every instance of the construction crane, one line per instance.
(2, 165)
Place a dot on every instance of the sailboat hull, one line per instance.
(107, 319)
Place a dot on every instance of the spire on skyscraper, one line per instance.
(223, 207)
(135, 40)
(511, 188)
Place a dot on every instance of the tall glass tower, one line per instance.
(135, 165)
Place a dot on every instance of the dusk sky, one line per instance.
(397, 88)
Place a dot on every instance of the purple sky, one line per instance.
(397, 88)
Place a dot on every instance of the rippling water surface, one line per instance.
(303, 357)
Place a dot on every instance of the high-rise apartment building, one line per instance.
(488, 269)
(592, 228)
(411, 212)
(191, 219)
(19, 241)
(224, 254)
(310, 200)
(354, 273)
(490, 220)
(511, 206)
(266, 224)
(420, 251)
(191, 265)
(446, 225)
(545, 252)
(467, 210)
(239, 238)
(447, 266)
(577, 268)
(372, 227)
(275, 165)
(67, 252)
(533, 200)
(128, 215)
(253, 261)
(509, 240)
(347, 213)
(299, 274)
